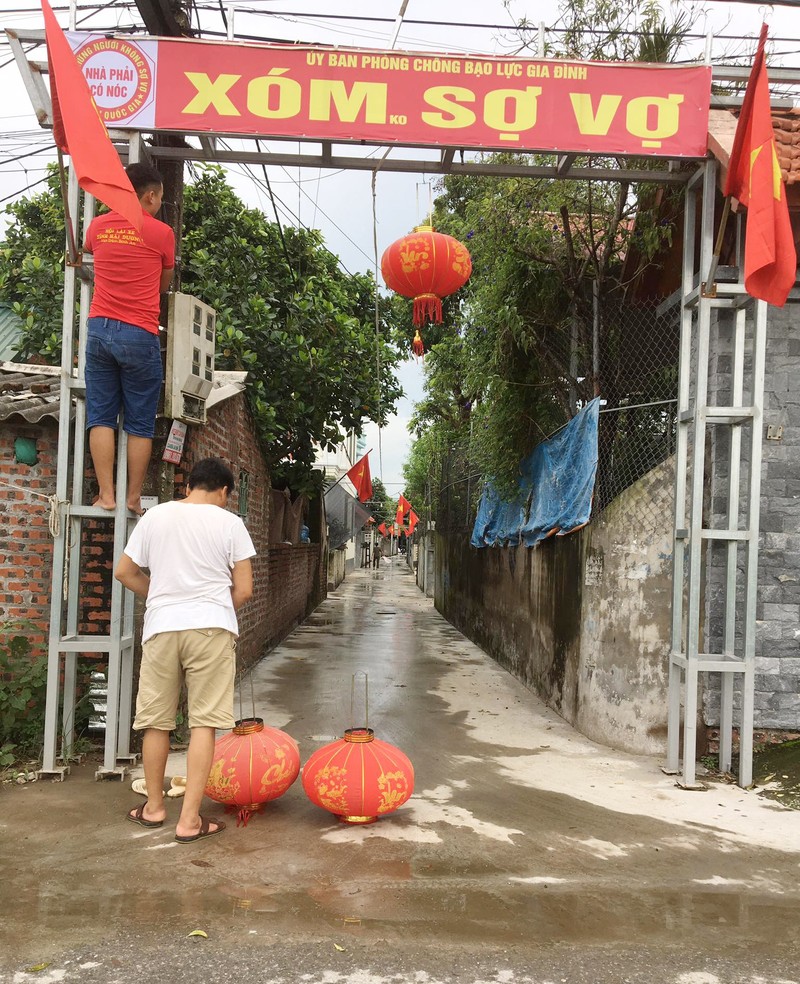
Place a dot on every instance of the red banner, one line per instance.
(395, 97)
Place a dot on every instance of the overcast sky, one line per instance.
(340, 203)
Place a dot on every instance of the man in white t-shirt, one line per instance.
(198, 555)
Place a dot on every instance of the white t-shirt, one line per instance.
(190, 549)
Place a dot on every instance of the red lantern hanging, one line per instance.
(427, 266)
(253, 764)
(418, 346)
(358, 778)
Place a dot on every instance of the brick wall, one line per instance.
(283, 574)
(26, 548)
(286, 576)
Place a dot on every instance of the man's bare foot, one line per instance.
(135, 506)
(206, 826)
(141, 815)
(104, 503)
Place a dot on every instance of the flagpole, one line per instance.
(72, 249)
(365, 455)
(708, 284)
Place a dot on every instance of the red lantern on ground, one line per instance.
(358, 778)
(252, 765)
(427, 266)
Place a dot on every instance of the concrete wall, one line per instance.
(425, 559)
(583, 620)
(337, 567)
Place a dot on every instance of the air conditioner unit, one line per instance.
(191, 343)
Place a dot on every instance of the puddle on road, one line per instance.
(435, 910)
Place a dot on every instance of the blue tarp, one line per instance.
(555, 489)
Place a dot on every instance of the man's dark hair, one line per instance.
(211, 474)
(143, 177)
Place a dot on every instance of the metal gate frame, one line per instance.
(686, 660)
(688, 650)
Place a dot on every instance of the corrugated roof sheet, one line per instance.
(32, 393)
(29, 393)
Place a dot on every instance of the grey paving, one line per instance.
(527, 853)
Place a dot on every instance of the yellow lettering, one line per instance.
(211, 94)
(336, 60)
(595, 123)
(570, 72)
(667, 118)
(395, 63)
(538, 71)
(448, 99)
(511, 110)
(328, 94)
(273, 97)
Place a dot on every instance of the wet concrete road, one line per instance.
(527, 854)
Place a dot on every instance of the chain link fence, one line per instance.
(628, 355)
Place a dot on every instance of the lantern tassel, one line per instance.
(427, 307)
(418, 346)
(244, 813)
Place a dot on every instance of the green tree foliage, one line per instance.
(552, 263)
(615, 30)
(304, 330)
(381, 505)
(422, 471)
(32, 269)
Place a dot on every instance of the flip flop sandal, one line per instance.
(204, 830)
(137, 816)
(177, 787)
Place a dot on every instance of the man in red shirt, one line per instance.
(123, 354)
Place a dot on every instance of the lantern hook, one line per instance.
(353, 697)
(252, 717)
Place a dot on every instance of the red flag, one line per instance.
(413, 519)
(754, 178)
(403, 505)
(360, 477)
(79, 131)
(382, 529)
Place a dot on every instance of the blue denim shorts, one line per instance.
(123, 371)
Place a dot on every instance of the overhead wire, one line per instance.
(277, 220)
(292, 215)
(33, 184)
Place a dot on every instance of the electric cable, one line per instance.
(259, 183)
(377, 318)
(22, 192)
(30, 153)
(277, 220)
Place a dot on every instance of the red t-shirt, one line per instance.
(127, 268)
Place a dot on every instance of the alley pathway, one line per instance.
(527, 853)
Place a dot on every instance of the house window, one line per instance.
(244, 493)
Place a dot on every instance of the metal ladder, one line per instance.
(692, 539)
(64, 639)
